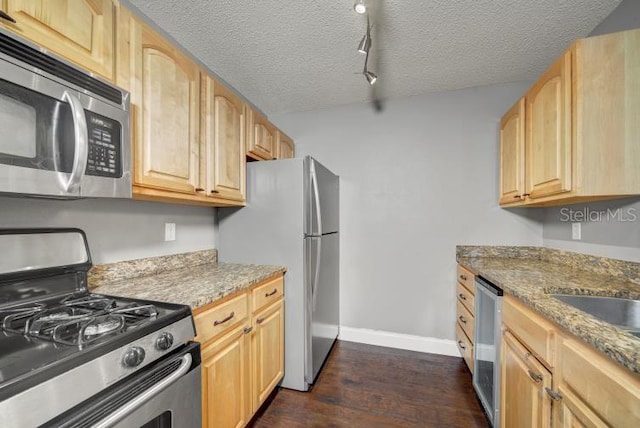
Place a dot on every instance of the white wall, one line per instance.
(117, 229)
(416, 180)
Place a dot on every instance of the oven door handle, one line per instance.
(81, 142)
(147, 395)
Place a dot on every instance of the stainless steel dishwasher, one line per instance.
(486, 354)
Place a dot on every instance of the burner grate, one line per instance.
(78, 319)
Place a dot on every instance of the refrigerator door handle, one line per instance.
(316, 198)
(316, 276)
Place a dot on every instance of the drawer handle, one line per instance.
(247, 330)
(260, 320)
(199, 189)
(461, 344)
(7, 17)
(275, 290)
(537, 378)
(463, 277)
(222, 321)
(462, 319)
(517, 197)
(462, 296)
(555, 396)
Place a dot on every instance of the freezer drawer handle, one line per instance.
(462, 319)
(222, 321)
(275, 290)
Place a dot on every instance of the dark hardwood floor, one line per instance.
(372, 386)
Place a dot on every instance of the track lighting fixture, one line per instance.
(364, 47)
(365, 44)
(360, 7)
(371, 77)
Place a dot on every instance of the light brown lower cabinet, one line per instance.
(565, 384)
(242, 340)
(523, 399)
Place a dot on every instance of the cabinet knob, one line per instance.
(199, 189)
(275, 290)
(6, 17)
(248, 330)
(222, 321)
(517, 197)
(537, 378)
(259, 320)
(555, 396)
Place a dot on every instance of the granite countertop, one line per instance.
(193, 285)
(532, 278)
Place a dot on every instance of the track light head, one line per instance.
(365, 44)
(360, 7)
(371, 77)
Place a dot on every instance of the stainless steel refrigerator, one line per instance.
(292, 219)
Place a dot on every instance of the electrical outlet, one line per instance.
(576, 231)
(169, 231)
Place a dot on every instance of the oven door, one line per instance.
(57, 141)
(163, 395)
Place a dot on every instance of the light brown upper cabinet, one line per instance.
(580, 127)
(512, 154)
(286, 147)
(188, 131)
(548, 131)
(223, 127)
(82, 31)
(261, 137)
(165, 93)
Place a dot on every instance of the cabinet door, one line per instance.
(82, 31)
(524, 401)
(268, 351)
(262, 142)
(165, 98)
(548, 131)
(225, 142)
(226, 398)
(286, 148)
(512, 154)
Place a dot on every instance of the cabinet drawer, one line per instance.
(611, 391)
(267, 293)
(465, 320)
(467, 279)
(219, 319)
(532, 329)
(464, 346)
(465, 297)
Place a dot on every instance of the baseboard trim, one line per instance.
(408, 342)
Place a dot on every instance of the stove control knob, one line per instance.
(133, 357)
(165, 341)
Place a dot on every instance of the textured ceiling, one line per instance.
(297, 55)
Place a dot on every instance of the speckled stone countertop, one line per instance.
(531, 276)
(198, 282)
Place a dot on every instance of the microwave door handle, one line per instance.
(138, 401)
(81, 142)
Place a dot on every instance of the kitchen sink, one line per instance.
(623, 313)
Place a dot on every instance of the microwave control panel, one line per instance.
(105, 148)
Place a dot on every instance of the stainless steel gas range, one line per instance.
(70, 358)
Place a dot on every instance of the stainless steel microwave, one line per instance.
(63, 133)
